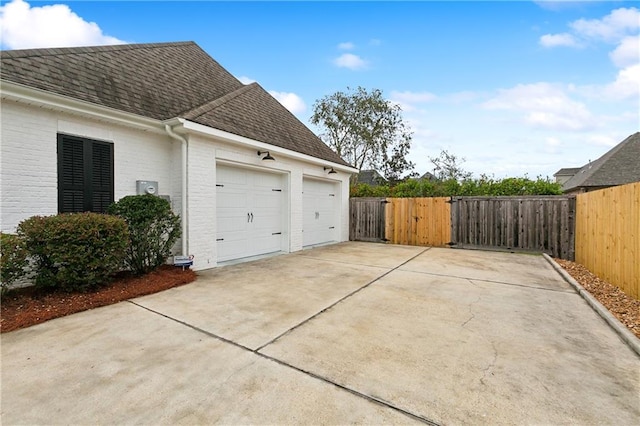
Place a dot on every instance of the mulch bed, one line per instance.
(621, 305)
(28, 306)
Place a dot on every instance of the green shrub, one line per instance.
(153, 230)
(13, 260)
(484, 186)
(75, 251)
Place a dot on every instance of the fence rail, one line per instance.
(608, 235)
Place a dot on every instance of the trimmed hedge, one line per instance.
(153, 230)
(484, 186)
(75, 251)
(13, 260)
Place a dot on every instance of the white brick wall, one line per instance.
(28, 175)
(201, 202)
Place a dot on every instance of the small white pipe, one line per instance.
(183, 203)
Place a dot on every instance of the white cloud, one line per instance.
(23, 27)
(291, 101)
(375, 42)
(627, 53)
(351, 61)
(245, 80)
(611, 28)
(346, 46)
(412, 97)
(543, 105)
(555, 40)
(408, 100)
(626, 84)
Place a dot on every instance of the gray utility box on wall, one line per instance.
(146, 187)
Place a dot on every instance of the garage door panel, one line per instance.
(249, 211)
(320, 211)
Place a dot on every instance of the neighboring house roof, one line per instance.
(371, 177)
(164, 81)
(567, 171)
(618, 166)
(428, 176)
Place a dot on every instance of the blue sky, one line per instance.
(514, 87)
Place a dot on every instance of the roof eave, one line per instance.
(182, 125)
(41, 98)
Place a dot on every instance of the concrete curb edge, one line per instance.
(627, 336)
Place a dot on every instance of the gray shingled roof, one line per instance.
(567, 171)
(618, 166)
(371, 177)
(164, 81)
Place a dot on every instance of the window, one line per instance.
(85, 175)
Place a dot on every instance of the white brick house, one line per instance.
(81, 126)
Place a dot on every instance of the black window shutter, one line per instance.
(101, 191)
(71, 181)
(85, 175)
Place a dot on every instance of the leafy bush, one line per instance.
(13, 260)
(484, 186)
(153, 230)
(75, 251)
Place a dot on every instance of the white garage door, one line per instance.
(250, 212)
(320, 211)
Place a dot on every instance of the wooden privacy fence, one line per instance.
(537, 223)
(608, 235)
(367, 219)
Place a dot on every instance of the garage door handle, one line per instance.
(248, 217)
(251, 217)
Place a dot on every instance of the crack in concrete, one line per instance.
(473, 315)
(492, 364)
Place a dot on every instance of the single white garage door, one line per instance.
(320, 211)
(250, 212)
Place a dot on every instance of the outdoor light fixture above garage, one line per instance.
(266, 157)
(331, 171)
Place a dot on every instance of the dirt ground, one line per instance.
(621, 305)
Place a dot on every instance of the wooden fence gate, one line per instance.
(418, 221)
(537, 223)
(367, 219)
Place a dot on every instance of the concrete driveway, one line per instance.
(349, 333)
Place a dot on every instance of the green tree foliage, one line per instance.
(485, 186)
(75, 251)
(153, 230)
(13, 260)
(366, 130)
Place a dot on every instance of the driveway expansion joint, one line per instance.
(471, 280)
(354, 392)
(341, 299)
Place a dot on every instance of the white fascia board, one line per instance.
(189, 126)
(44, 99)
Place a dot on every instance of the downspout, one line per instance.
(183, 195)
